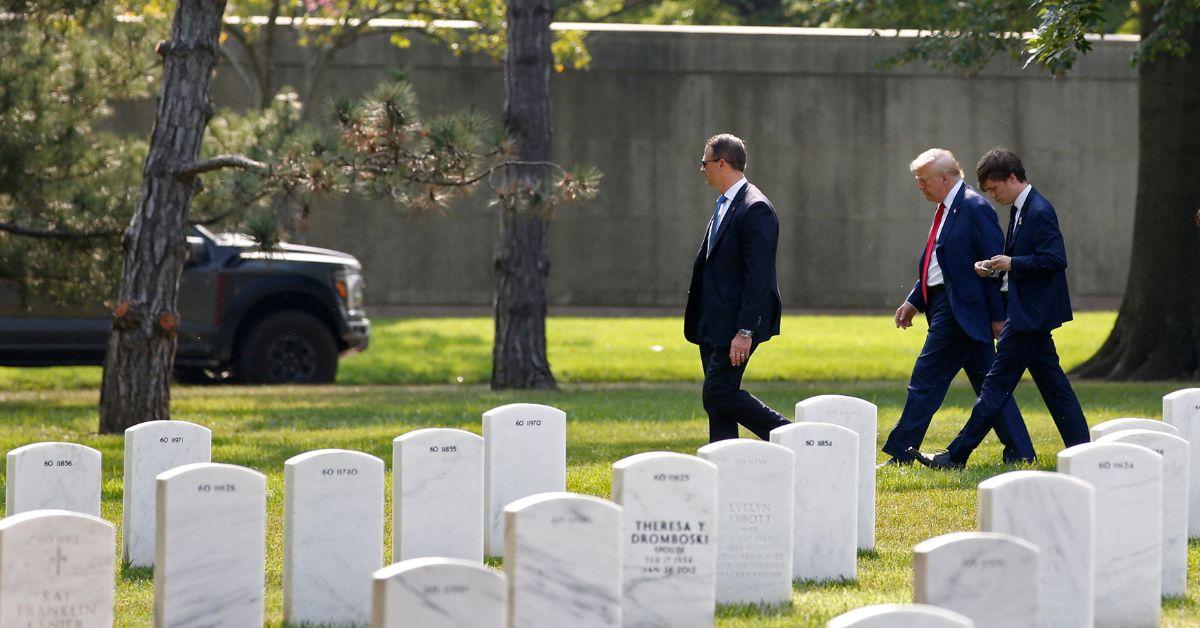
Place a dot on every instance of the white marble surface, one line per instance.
(525, 453)
(900, 616)
(862, 417)
(755, 502)
(825, 525)
(1182, 409)
(210, 540)
(151, 448)
(669, 504)
(1128, 483)
(332, 535)
(986, 576)
(437, 495)
(1100, 430)
(56, 564)
(563, 561)
(1055, 512)
(1174, 451)
(62, 476)
(439, 593)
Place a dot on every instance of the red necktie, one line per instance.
(937, 221)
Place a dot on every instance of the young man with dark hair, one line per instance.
(733, 303)
(965, 312)
(1032, 269)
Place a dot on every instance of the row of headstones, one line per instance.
(436, 472)
(445, 474)
(745, 510)
(1099, 543)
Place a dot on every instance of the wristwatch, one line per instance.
(745, 333)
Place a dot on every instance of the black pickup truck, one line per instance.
(247, 315)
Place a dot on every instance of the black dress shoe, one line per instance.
(895, 462)
(935, 461)
(1018, 460)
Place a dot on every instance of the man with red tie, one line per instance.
(965, 311)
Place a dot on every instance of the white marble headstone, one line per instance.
(439, 593)
(56, 569)
(62, 476)
(151, 448)
(1174, 451)
(525, 453)
(332, 535)
(754, 520)
(825, 525)
(210, 542)
(900, 616)
(437, 495)
(1128, 483)
(563, 561)
(1182, 409)
(862, 417)
(987, 576)
(1055, 512)
(669, 504)
(1130, 423)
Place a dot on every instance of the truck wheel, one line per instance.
(289, 347)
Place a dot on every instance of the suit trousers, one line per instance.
(1016, 352)
(947, 350)
(727, 404)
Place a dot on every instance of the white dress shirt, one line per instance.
(935, 270)
(1020, 205)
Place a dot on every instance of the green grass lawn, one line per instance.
(611, 417)
(590, 350)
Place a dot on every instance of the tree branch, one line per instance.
(219, 162)
(56, 234)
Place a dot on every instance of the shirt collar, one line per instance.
(953, 193)
(734, 189)
(1020, 202)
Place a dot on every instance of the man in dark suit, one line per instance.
(733, 303)
(965, 312)
(1032, 269)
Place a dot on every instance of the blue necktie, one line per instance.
(712, 232)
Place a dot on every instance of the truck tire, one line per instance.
(289, 347)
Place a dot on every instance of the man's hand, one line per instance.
(905, 314)
(739, 350)
(983, 268)
(997, 327)
(1001, 263)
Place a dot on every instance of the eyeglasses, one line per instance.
(704, 162)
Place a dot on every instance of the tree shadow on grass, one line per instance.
(136, 574)
(844, 584)
(756, 611)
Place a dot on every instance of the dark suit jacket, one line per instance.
(1037, 284)
(734, 287)
(971, 232)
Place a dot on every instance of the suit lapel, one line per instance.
(739, 200)
(1021, 216)
(952, 212)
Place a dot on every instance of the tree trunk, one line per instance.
(141, 342)
(1157, 333)
(522, 263)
